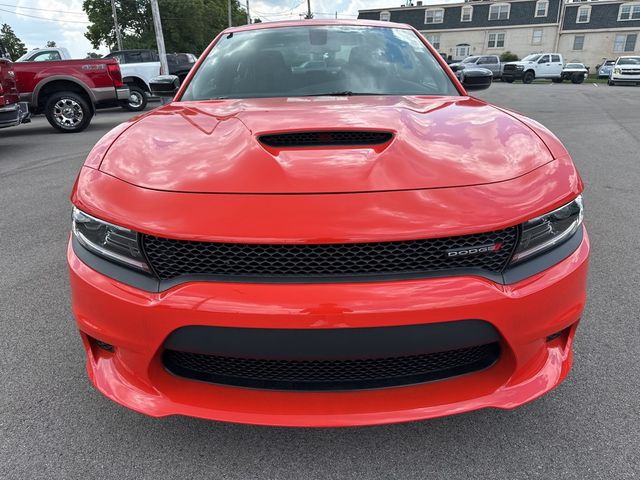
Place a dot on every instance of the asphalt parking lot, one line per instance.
(54, 425)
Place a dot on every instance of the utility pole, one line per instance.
(229, 12)
(115, 23)
(248, 14)
(157, 25)
(309, 14)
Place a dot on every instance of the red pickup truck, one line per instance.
(11, 113)
(69, 92)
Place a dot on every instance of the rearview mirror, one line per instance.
(476, 79)
(164, 85)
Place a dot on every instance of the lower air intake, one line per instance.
(347, 374)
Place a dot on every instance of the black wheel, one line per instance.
(577, 79)
(528, 77)
(508, 80)
(68, 112)
(557, 80)
(611, 83)
(137, 99)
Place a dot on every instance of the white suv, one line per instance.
(625, 70)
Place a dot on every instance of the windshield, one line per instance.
(610, 62)
(629, 61)
(318, 60)
(531, 58)
(470, 60)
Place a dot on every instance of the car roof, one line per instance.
(304, 23)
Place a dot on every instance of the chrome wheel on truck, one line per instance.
(68, 112)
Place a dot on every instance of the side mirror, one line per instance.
(476, 79)
(454, 68)
(164, 85)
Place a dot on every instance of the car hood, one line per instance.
(214, 146)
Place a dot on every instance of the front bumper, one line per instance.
(625, 78)
(137, 323)
(15, 114)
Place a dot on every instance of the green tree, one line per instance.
(51, 44)
(11, 42)
(187, 26)
(93, 55)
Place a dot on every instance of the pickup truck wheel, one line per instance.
(557, 80)
(611, 83)
(137, 99)
(577, 78)
(528, 77)
(68, 112)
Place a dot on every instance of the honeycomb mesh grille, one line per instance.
(330, 374)
(323, 138)
(174, 258)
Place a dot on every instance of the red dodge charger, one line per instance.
(324, 229)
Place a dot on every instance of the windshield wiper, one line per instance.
(345, 93)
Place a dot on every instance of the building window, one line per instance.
(584, 14)
(499, 11)
(434, 40)
(536, 37)
(434, 15)
(466, 15)
(495, 40)
(542, 8)
(629, 11)
(625, 42)
(462, 51)
(578, 42)
(385, 16)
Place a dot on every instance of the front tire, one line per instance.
(577, 79)
(528, 77)
(611, 83)
(68, 112)
(137, 99)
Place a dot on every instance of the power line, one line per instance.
(43, 18)
(43, 9)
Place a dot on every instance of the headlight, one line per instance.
(547, 231)
(520, 67)
(616, 70)
(110, 241)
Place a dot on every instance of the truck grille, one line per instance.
(171, 258)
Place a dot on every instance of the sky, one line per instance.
(64, 22)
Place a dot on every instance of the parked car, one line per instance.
(575, 72)
(604, 70)
(12, 111)
(359, 244)
(626, 70)
(68, 92)
(536, 65)
(490, 62)
(140, 66)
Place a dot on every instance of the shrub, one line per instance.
(508, 57)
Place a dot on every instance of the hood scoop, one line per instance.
(324, 138)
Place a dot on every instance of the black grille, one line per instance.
(323, 138)
(173, 258)
(509, 67)
(330, 374)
